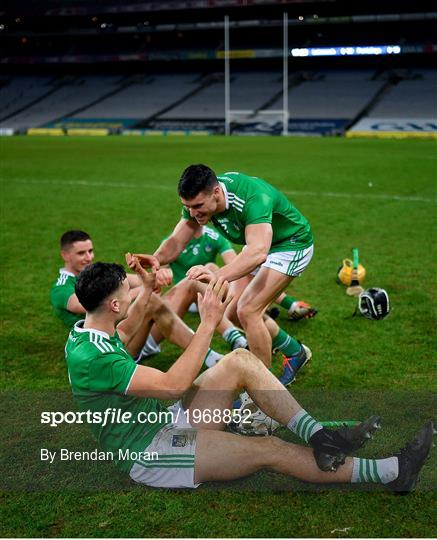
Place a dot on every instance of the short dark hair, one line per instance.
(70, 237)
(195, 179)
(96, 282)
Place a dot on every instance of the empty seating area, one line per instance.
(63, 96)
(27, 102)
(412, 98)
(332, 95)
(143, 97)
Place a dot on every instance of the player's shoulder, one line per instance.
(64, 278)
(87, 343)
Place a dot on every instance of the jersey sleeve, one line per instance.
(223, 244)
(111, 373)
(258, 209)
(60, 294)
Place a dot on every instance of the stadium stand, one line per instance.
(143, 97)
(320, 102)
(248, 91)
(415, 97)
(332, 95)
(64, 96)
(18, 93)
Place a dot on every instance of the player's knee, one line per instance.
(239, 358)
(245, 312)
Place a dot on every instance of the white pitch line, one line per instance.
(405, 198)
(165, 187)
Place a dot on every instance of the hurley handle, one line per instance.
(355, 257)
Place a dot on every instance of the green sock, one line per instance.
(287, 301)
(378, 471)
(285, 343)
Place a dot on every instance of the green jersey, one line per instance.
(60, 293)
(200, 250)
(100, 370)
(251, 200)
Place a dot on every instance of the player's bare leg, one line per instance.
(167, 321)
(180, 297)
(240, 370)
(215, 389)
(262, 290)
(225, 456)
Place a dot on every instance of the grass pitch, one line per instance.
(376, 195)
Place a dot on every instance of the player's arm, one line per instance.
(149, 382)
(173, 246)
(228, 256)
(74, 306)
(258, 241)
(129, 327)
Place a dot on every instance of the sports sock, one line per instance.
(235, 338)
(285, 343)
(212, 358)
(150, 347)
(192, 308)
(287, 302)
(304, 425)
(378, 471)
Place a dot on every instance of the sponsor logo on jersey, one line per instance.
(278, 263)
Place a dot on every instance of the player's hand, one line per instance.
(164, 277)
(214, 301)
(200, 272)
(148, 279)
(147, 261)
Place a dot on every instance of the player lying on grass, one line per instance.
(193, 447)
(77, 251)
(278, 247)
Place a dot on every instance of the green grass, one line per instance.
(123, 192)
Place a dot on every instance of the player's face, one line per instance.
(202, 206)
(78, 256)
(124, 299)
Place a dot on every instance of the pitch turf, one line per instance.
(376, 195)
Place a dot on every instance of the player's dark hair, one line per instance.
(96, 282)
(70, 237)
(195, 179)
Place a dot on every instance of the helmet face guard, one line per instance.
(374, 303)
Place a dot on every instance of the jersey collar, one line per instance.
(64, 271)
(78, 328)
(225, 192)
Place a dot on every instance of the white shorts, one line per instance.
(175, 445)
(291, 263)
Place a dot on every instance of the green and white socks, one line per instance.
(212, 357)
(285, 343)
(376, 471)
(287, 302)
(235, 338)
(304, 425)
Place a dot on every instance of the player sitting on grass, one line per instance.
(278, 247)
(77, 251)
(193, 448)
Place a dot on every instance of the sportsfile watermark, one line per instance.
(112, 415)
